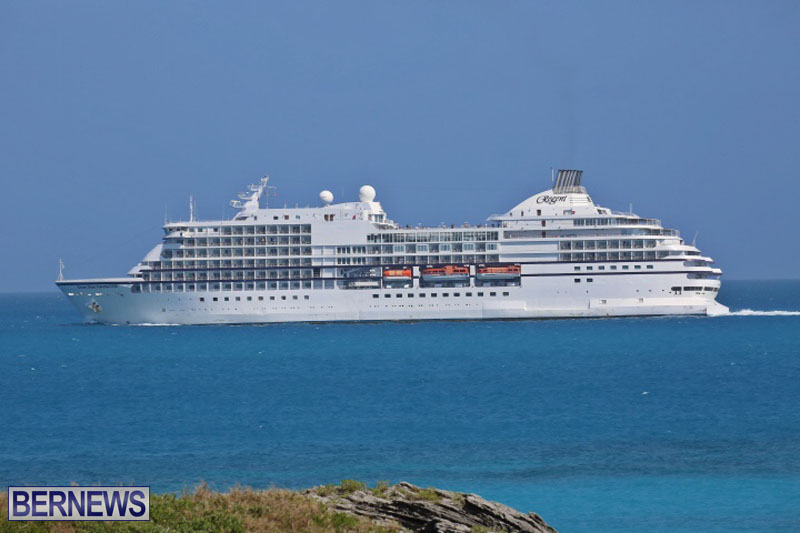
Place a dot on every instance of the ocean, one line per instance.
(619, 425)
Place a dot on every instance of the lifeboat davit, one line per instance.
(397, 274)
(498, 273)
(446, 273)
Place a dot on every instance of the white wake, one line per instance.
(754, 312)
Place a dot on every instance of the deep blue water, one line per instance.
(655, 424)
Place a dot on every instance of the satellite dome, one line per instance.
(326, 197)
(366, 193)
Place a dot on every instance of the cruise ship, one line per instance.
(556, 254)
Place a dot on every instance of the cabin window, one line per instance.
(589, 280)
(538, 212)
(375, 296)
(576, 268)
(480, 294)
(202, 299)
(505, 294)
(492, 294)
(215, 298)
(649, 267)
(577, 280)
(468, 294)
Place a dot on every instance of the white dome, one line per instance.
(366, 193)
(326, 197)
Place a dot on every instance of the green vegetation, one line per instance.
(428, 494)
(240, 510)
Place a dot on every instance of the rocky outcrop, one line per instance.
(428, 510)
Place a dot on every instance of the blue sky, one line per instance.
(113, 112)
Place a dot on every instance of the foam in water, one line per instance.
(754, 312)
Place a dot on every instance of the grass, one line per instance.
(240, 510)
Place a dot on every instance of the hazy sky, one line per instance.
(114, 111)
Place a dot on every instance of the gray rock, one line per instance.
(430, 510)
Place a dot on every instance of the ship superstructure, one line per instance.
(556, 254)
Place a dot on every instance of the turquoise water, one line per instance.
(655, 424)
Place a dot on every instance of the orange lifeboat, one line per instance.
(498, 273)
(446, 273)
(397, 274)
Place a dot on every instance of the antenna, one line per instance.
(630, 208)
(191, 208)
(694, 240)
(552, 175)
(60, 270)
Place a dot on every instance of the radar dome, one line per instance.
(326, 197)
(366, 193)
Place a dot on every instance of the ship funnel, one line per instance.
(569, 181)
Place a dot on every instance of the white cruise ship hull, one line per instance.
(115, 304)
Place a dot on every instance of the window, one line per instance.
(375, 296)
(238, 299)
(305, 297)
(576, 269)
(468, 294)
(398, 295)
(601, 267)
(505, 294)
(410, 294)
(613, 267)
(577, 280)
(260, 298)
(283, 297)
(445, 294)
(456, 294)
(480, 294)
(492, 294)
(271, 298)
(538, 212)
(387, 295)
(638, 267)
(588, 268)
(649, 267)
(422, 295)
(249, 298)
(227, 299)
(624, 267)
(589, 280)
(433, 295)
(202, 299)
